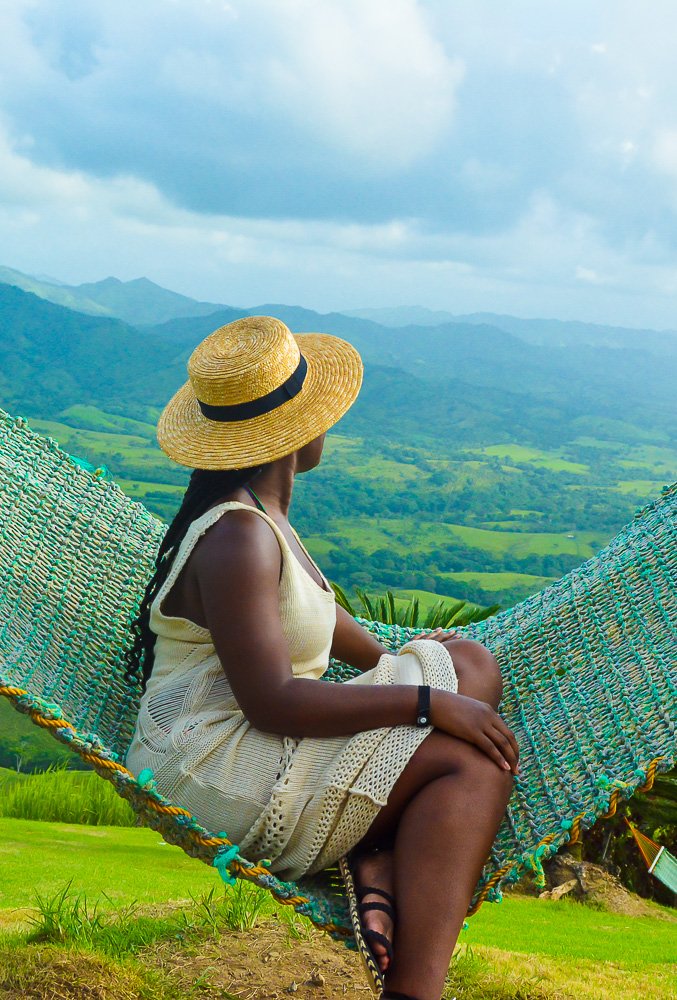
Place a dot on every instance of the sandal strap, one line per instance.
(363, 907)
(364, 890)
(370, 935)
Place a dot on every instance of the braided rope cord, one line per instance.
(588, 665)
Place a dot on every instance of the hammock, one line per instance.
(659, 861)
(588, 665)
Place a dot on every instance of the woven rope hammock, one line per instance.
(589, 665)
(658, 859)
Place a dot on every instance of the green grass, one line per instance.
(396, 533)
(8, 779)
(97, 442)
(639, 487)
(132, 864)
(96, 419)
(499, 581)
(426, 599)
(566, 929)
(536, 456)
(65, 797)
(384, 470)
(137, 489)
(127, 863)
(95, 887)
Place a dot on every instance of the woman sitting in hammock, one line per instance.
(402, 774)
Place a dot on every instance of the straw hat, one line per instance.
(256, 392)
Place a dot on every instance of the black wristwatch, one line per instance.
(423, 710)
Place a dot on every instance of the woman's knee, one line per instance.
(477, 669)
(439, 756)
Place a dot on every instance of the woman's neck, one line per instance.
(274, 486)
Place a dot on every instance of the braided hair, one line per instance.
(206, 487)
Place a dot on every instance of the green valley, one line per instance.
(474, 464)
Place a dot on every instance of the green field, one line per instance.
(499, 582)
(522, 949)
(489, 522)
(130, 864)
(400, 534)
(518, 454)
(126, 863)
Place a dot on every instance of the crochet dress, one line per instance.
(301, 803)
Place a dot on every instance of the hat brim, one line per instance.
(330, 387)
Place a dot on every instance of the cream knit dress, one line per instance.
(301, 803)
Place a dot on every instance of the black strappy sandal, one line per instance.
(389, 908)
(364, 935)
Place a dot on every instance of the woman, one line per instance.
(403, 772)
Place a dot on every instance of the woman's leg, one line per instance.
(441, 819)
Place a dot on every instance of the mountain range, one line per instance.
(471, 449)
(50, 354)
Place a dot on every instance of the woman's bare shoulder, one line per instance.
(240, 537)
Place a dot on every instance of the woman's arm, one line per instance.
(353, 644)
(238, 572)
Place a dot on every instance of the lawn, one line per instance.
(569, 930)
(521, 949)
(127, 863)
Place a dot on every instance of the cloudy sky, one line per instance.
(338, 154)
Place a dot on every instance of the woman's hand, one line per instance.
(439, 635)
(475, 722)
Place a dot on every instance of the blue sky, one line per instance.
(338, 154)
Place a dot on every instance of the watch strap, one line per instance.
(423, 708)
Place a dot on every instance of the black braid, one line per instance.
(205, 488)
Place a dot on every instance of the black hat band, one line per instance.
(264, 404)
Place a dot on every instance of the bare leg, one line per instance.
(442, 815)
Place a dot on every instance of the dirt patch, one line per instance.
(54, 974)
(17, 918)
(593, 885)
(266, 963)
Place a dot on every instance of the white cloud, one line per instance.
(664, 153)
(347, 152)
(368, 74)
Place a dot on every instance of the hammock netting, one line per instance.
(589, 665)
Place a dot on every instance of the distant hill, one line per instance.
(51, 357)
(62, 295)
(142, 301)
(552, 332)
(139, 301)
(404, 316)
(622, 382)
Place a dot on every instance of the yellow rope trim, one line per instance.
(613, 802)
(9, 692)
(41, 720)
(575, 832)
(650, 775)
(487, 887)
